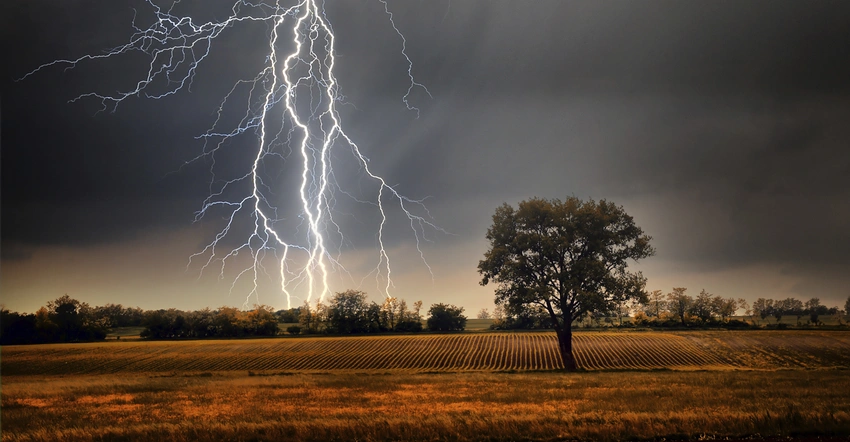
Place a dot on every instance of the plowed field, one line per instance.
(763, 350)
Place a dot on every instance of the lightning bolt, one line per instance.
(292, 112)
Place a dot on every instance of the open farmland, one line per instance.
(468, 386)
(762, 350)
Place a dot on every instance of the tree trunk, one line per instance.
(565, 345)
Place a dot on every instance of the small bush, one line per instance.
(736, 323)
(409, 325)
(779, 326)
(293, 330)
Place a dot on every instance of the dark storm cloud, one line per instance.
(79, 179)
(733, 111)
(729, 117)
(569, 47)
(75, 174)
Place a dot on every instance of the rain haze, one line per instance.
(722, 127)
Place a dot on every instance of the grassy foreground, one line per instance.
(448, 406)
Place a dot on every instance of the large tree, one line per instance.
(847, 306)
(568, 257)
(348, 313)
(446, 317)
(679, 303)
(763, 308)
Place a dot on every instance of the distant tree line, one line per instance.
(65, 320)
(674, 309)
(348, 312)
(345, 313)
(69, 320)
(224, 322)
(811, 310)
(678, 309)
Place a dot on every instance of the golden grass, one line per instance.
(454, 406)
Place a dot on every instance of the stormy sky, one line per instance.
(722, 127)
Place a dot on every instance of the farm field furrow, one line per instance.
(582, 354)
(669, 357)
(640, 351)
(777, 349)
(430, 354)
(446, 360)
(501, 355)
(396, 352)
(486, 355)
(621, 352)
(509, 352)
(356, 358)
(538, 353)
(466, 354)
(698, 356)
(520, 351)
(595, 361)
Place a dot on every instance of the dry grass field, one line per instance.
(475, 386)
(603, 406)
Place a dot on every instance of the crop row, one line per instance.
(435, 353)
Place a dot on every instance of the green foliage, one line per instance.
(790, 306)
(260, 321)
(779, 310)
(715, 311)
(19, 328)
(815, 309)
(567, 257)
(65, 319)
(289, 315)
(656, 304)
(680, 304)
(702, 307)
(763, 308)
(312, 320)
(531, 317)
(225, 322)
(293, 330)
(446, 317)
(120, 316)
(347, 313)
(405, 320)
(202, 323)
(724, 307)
(681, 310)
(794, 307)
(409, 324)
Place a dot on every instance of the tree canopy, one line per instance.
(568, 257)
(847, 306)
(446, 317)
